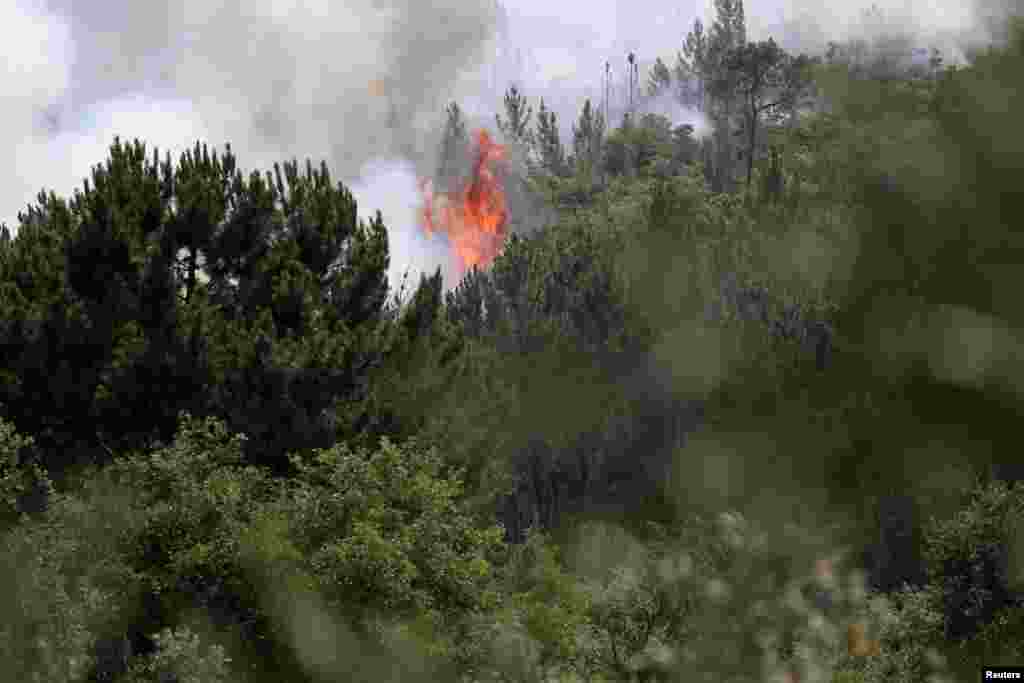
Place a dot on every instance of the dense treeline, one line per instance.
(633, 448)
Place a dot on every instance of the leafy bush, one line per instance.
(20, 481)
(62, 583)
(708, 597)
(47, 635)
(968, 613)
(181, 659)
(379, 538)
(384, 528)
(545, 616)
(974, 559)
(909, 628)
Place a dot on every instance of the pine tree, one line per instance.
(685, 149)
(102, 351)
(43, 322)
(464, 305)
(515, 125)
(588, 138)
(618, 159)
(660, 78)
(547, 142)
(693, 68)
(730, 27)
(709, 87)
(197, 185)
(767, 81)
(727, 33)
(319, 291)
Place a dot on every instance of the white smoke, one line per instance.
(667, 104)
(394, 184)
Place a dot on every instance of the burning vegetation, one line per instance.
(474, 216)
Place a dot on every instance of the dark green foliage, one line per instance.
(515, 126)
(919, 276)
(648, 147)
(685, 147)
(970, 606)
(973, 558)
(588, 142)
(660, 78)
(469, 306)
(418, 319)
(24, 487)
(110, 335)
(937, 259)
(768, 82)
(730, 27)
(418, 358)
(180, 656)
(704, 63)
(242, 239)
(379, 540)
(693, 68)
(772, 181)
(55, 345)
(549, 146)
(398, 493)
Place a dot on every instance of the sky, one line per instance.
(284, 79)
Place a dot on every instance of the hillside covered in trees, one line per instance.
(735, 405)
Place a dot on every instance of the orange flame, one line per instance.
(474, 217)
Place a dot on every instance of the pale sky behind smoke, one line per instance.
(282, 78)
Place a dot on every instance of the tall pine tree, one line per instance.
(588, 143)
(768, 82)
(109, 331)
(693, 68)
(712, 89)
(516, 124)
(548, 143)
(660, 78)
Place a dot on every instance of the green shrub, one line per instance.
(999, 642)
(180, 657)
(718, 597)
(18, 479)
(909, 627)
(61, 582)
(975, 559)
